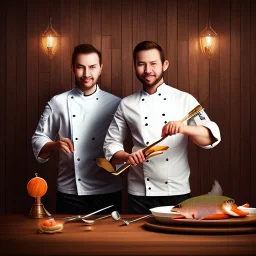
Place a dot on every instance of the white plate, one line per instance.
(163, 213)
(252, 211)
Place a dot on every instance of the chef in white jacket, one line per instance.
(149, 114)
(75, 124)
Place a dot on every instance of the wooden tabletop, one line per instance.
(19, 236)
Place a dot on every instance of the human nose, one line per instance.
(86, 72)
(147, 69)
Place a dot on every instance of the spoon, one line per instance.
(116, 216)
(90, 222)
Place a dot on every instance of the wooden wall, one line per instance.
(225, 85)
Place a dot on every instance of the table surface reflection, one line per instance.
(19, 236)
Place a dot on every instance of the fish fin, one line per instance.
(215, 216)
(246, 205)
(239, 212)
(179, 217)
(216, 189)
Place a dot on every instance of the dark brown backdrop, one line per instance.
(225, 85)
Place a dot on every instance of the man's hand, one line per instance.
(65, 145)
(172, 128)
(136, 158)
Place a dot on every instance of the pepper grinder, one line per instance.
(37, 187)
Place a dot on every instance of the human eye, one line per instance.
(140, 64)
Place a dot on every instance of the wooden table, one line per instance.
(18, 236)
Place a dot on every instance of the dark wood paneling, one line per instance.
(235, 99)
(246, 111)
(127, 65)
(32, 105)
(172, 46)
(253, 104)
(106, 59)
(213, 104)
(224, 84)
(193, 89)
(151, 20)
(3, 139)
(85, 21)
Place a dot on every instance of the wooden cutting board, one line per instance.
(227, 226)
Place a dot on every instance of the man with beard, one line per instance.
(149, 114)
(75, 124)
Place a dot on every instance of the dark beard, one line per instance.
(151, 85)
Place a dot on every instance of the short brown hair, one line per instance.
(148, 45)
(84, 49)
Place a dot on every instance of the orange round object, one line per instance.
(37, 187)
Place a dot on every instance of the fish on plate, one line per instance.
(211, 206)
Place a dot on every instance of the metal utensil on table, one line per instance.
(78, 217)
(91, 222)
(116, 216)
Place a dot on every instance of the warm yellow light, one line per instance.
(208, 40)
(49, 40)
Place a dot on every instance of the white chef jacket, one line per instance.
(84, 120)
(144, 115)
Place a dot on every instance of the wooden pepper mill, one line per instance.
(37, 187)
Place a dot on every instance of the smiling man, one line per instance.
(75, 123)
(149, 114)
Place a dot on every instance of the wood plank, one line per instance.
(116, 19)
(245, 101)
(151, 18)
(106, 59)
(253, 104)
(235, 101)
(182, 62)
(139, 33)
(172, 46)
(44, 61)
(3, 139)
(106, 17)
(11, 101)
(32, 85)
(224, 95)
(193, 89)
(161, 24)
(65, 47)
(74, 32)
(96, 24)
(116, 74)
(85, 21)
(204, 99)
(50, 168)
(21, 139)
(127, 64)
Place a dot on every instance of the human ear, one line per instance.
(165, 65)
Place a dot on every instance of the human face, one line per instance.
(149, 69)
(87, 70)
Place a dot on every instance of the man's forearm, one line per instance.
(47, 149)
(119, 157)
(200, 135)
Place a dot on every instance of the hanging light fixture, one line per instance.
(208, 40)
(50, 40)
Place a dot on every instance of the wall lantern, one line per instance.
(50, 40)
(208, 40)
